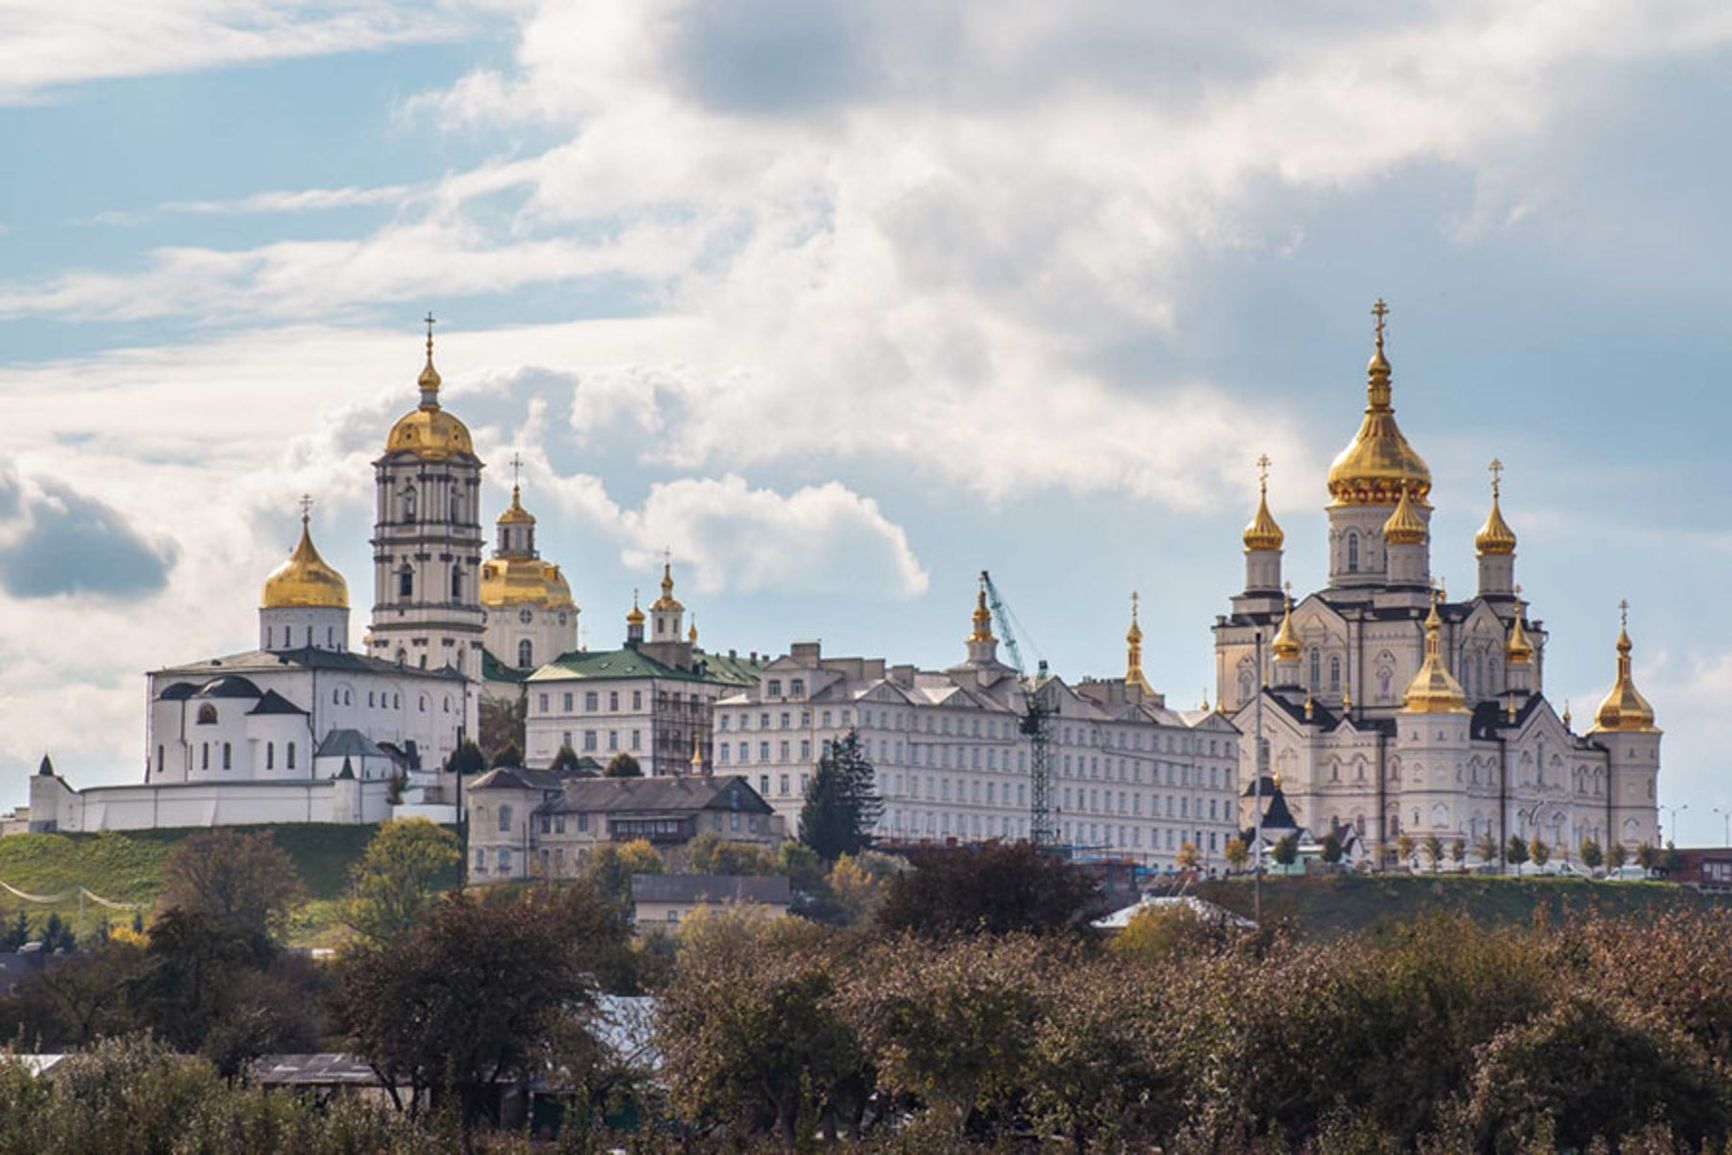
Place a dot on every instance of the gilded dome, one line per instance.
(524, 581)
(982, 619)
(514, 513)
(1286, 643)
(429, 432)
(1379, 466)
(635, 618)
(1624, 709)
(1495, 536)
(667, 601)
(1404, 526)
(1518, 650)
(1263, 533)
(305, 580)
(1434, 689)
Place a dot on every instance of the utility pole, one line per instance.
(1257, 790)
(462, 818)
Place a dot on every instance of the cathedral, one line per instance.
(1386, 709)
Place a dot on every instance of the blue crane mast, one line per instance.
(1036, 723)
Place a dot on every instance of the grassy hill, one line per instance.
(1326, 906)
(125, 868)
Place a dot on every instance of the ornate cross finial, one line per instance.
(431, 321)
(1624, 613)
(1380, 311)
(1134, 605)
(306, 504)
(516, 470)
(1496, 468)
(1263, 464)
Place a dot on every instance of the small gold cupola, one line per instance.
(1379, 466)
(1263, 533)
(1434, 689)
(982, 619)
(305, 580)
(1134, 651)
(1624, 710)
(428, 431)
(1519, 650)
(1285, 647)
(1404, 526)
(1495, 537)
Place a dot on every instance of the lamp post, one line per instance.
(1726, 815)
(1257, 791)
(1672, 824)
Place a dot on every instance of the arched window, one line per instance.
(1352, 553)
(505, 819)
(525, 651)
(207, 715)
(406, 582)
(456, 583)
(1334, 674)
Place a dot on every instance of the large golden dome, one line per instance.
(524, 581)
(305, 580)
(1379, 466)
(429, 431)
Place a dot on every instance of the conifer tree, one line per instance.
(842, 805)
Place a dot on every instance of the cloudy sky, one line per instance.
(845, 301)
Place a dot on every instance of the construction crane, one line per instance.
(1036, 724)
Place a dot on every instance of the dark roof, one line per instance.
(771, 888)
(520, 778)
(348, 744)
(306, 658)
(275, 703)
(1276, 815)
(683, 795)
(229, 686)
(1491, 716)
(178, 692)
(494, 670)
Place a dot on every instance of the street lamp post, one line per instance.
(1726, 815)
(1672, 825)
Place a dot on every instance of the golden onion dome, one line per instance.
(1518, 650)
(1286, 644)
(1263, 533)
(667, 600)
(1379, 466)
(524, 581)
(305, 580)
(1434, 689)
(1624, 709)
(514, 513)
(1495, 536)
(429, 432)
(635, 618)
(1404, 526)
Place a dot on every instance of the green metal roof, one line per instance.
(614, 665)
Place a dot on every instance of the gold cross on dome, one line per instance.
(306, 504)
(1263, 464)
(517, 469)
(1380, 311)
(431, 321)
(1496, 468)
(1624, 613)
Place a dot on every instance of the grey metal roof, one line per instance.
(770, 889)
(261, 661)
(320, 1069)
(348, 744)
(662, 795)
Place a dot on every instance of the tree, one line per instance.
(1458, 851)
(1331, 850)
(1540, 852)
(994, 888)
(1404, 849)
(612, 864)
(483, 991)
(466, 760)
(507, 755)
(1648, 856)
(1485, 849)
(1286, 851)
(502, 724)
(396, 883)
(58, 937)
(1237, 853)
(1616, 855)
(1433, 850)
(842, 806)
(710, 853)
(1590, 853)
(566, 761)
(240, 880)
(1516, 851)
(1187, 858)
(623, 765)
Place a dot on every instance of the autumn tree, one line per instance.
(1433, 846)
(1516, 851)
(612, 864)
(509, 754)
(1590, 853)
(1187, 858)
(1237, 853)
(1458, 851)
(1616, 855)
(396, 883)
(566, 761)
(1485, 849)
(623, 765)
(1540, 852)
(1404, 847)
(994, 888)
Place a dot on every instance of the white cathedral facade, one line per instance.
(1386, 709)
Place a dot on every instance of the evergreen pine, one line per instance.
(842, 805)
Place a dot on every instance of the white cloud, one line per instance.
(45, 46)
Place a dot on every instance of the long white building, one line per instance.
(1131, 777)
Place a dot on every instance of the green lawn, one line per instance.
(1326, 906)
(125, 867)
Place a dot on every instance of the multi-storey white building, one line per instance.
(1131, 778)
(652, 699)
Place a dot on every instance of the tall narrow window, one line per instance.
(270, 755)
(525, 652)
(1316, 677)
(204, 755)
(228, 757)
(1352, 553)
(290, 762)
(406, 582)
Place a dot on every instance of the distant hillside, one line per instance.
(125, 867)
(1324, 907)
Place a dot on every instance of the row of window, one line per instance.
(592, 701)
(1004, 729)
(289, 637)
(938, 824)
(225, 756)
